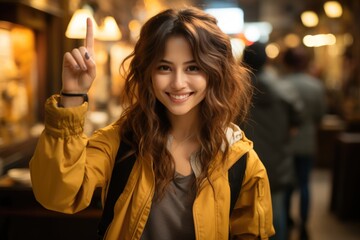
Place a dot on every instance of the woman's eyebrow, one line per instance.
(165, 61)
(169, 62)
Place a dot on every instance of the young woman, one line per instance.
(183, 90)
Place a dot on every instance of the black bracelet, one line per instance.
(83, 95)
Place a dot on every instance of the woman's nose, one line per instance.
(178, 80)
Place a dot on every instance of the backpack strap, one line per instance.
(236, 175)
(120, 174)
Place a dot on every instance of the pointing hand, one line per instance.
(79, 68)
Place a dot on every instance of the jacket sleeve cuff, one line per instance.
(64, 122)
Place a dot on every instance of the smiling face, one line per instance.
(178, 82)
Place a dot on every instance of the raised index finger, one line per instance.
(89, 40)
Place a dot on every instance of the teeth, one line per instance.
(179, 97)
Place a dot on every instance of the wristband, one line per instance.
(83, 95)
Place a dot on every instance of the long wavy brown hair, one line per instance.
(145, 123)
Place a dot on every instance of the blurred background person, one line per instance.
(312, 93)
(273, 119)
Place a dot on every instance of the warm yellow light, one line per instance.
(309, 19)
(319, 40)
(8, 68)
(333, 9)
(292, 40)
(109, 30)
(134, 27)
(77, 25)
(5, 44)
(272, 50)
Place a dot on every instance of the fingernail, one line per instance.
(87, 57)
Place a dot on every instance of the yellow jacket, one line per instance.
(67, 166)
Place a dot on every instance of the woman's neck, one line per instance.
(184, 127)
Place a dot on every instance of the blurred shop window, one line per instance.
(18, 70)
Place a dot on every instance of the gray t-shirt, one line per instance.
(171, 217)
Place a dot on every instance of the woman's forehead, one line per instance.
(178, 47)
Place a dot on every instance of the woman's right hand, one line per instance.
(79, 69)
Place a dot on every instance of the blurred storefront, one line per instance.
(31, 48)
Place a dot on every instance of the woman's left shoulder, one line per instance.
(241, 145)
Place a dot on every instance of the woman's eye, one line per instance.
(193, 68)
(163, 68)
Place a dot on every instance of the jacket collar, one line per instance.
(238, 144)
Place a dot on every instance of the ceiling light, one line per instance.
(333, 9)
(109, 30)
(77, 25)
(309, 19)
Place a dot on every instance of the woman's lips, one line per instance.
(179, 97)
